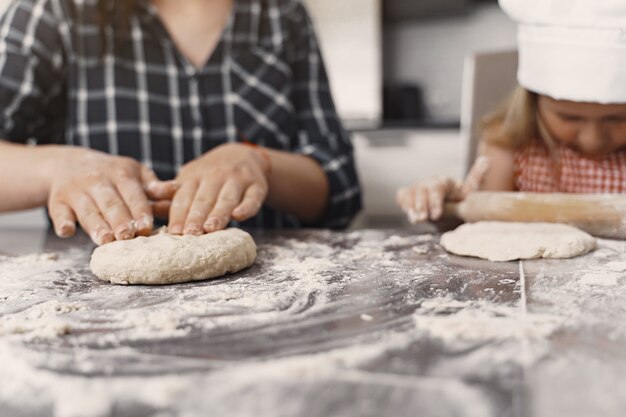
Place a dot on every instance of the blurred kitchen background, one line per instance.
(415, 132)
(397, 73)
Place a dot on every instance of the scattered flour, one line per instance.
(422, 250)
(600, 278)
(55, 316)
(616, 266)
(425, 238)
(74, 396)
(478, 321)
(33, 286)
(366, 317)
(396, 241)
(42, 321)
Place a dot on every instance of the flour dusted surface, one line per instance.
(507, 241)
(170, 259)
(355, 322)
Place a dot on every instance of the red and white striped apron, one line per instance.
(537, 171)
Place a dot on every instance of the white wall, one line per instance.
(431, 53)
(350, 32)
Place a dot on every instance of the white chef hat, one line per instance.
(572, 49)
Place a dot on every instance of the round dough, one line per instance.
(167, 259)
(505, 241)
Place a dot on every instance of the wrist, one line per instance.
(264, 155)
(51, 161)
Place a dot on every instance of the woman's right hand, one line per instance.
(110, 196)
(425, 200)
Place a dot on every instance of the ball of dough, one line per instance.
(168, 259)
(506, 241)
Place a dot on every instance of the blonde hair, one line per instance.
(514, 123)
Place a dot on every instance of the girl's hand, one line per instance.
(108, 195)
(424, 200)
(230, 181)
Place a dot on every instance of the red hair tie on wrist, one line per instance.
(260, 150)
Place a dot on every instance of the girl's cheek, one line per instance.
(562, 132)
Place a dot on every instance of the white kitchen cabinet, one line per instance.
(35, 219)
(388, 160)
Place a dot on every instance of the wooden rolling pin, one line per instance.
(602, 215)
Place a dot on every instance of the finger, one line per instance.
(229, 197)
(162, 190)
(475, 176)
(113, 209)
(404, 197)
(420, 205)
(180, 207)
(148, 176)
(63, 218)
(251, 203)
(414, 216)
(91, 220)
(436, 196)
(155, 188)
(203, 203)
(161, 209)
(134, 196)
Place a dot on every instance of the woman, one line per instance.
(226, 100)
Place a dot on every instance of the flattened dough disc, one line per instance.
(507, 241)
(167, 259)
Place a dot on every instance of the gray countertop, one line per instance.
(361, 323)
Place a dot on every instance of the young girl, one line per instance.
(564, 128)
(226, 100)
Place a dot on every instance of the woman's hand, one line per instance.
(425, 200)
(108, 195)
(230, 181)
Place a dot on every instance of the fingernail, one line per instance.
(413, 217)
(66, 229)
(153, 185)
(145, 223)
(212, 224)
(175, 229)
(163, 188)
(126, 232)
(193, 229)
(101, 237)
(417, 216)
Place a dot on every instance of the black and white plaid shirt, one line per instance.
(141, 98)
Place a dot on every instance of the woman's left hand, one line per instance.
(228, 182)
